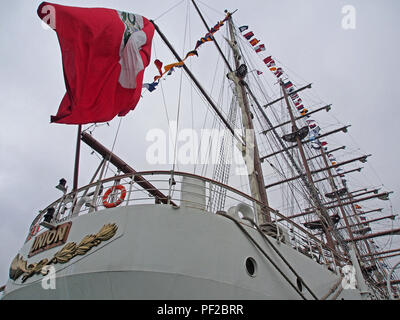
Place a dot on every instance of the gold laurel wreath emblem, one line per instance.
(70, 250)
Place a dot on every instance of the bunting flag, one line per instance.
(279, 72)
(217, 26)
(268, 59)
(254, 41)
(158, 64)
(209, 35)
(259, 72)
(357, 206)
(270, 63)
(294, 96)
(150, 86)
(260, 48)
(316, 130)
(104, 55)
(204, 39)
(248, 35)
(287, 85)
(191, 54)
(297, 102)
(168, 69)
(243, 28)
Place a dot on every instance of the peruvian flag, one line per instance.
(104, 55)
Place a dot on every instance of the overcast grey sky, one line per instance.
(354, 70)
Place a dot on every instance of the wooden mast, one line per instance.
(77, 156)
(339, 201)
(256, 179)
(321, 211)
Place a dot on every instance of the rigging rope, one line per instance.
(171, 180)
(162, 89)
(168, 10)
(113, 145)
(313, 193)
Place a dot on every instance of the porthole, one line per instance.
(251, 267)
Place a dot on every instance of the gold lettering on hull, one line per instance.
(50, 239)
(20, 267)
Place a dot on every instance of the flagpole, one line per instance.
(77, 155)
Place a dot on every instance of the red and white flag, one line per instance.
(278, 72)
(104, 55)
(260, 48)
(267, 60)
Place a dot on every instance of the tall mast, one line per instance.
(365, 241)
(333, 187)
(321, 211)
(77, 155)
(256, 180)
(255, 174)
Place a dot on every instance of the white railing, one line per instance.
(193, 194)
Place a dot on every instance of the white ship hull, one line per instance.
(161, 252)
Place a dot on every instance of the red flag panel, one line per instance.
(104, 55)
